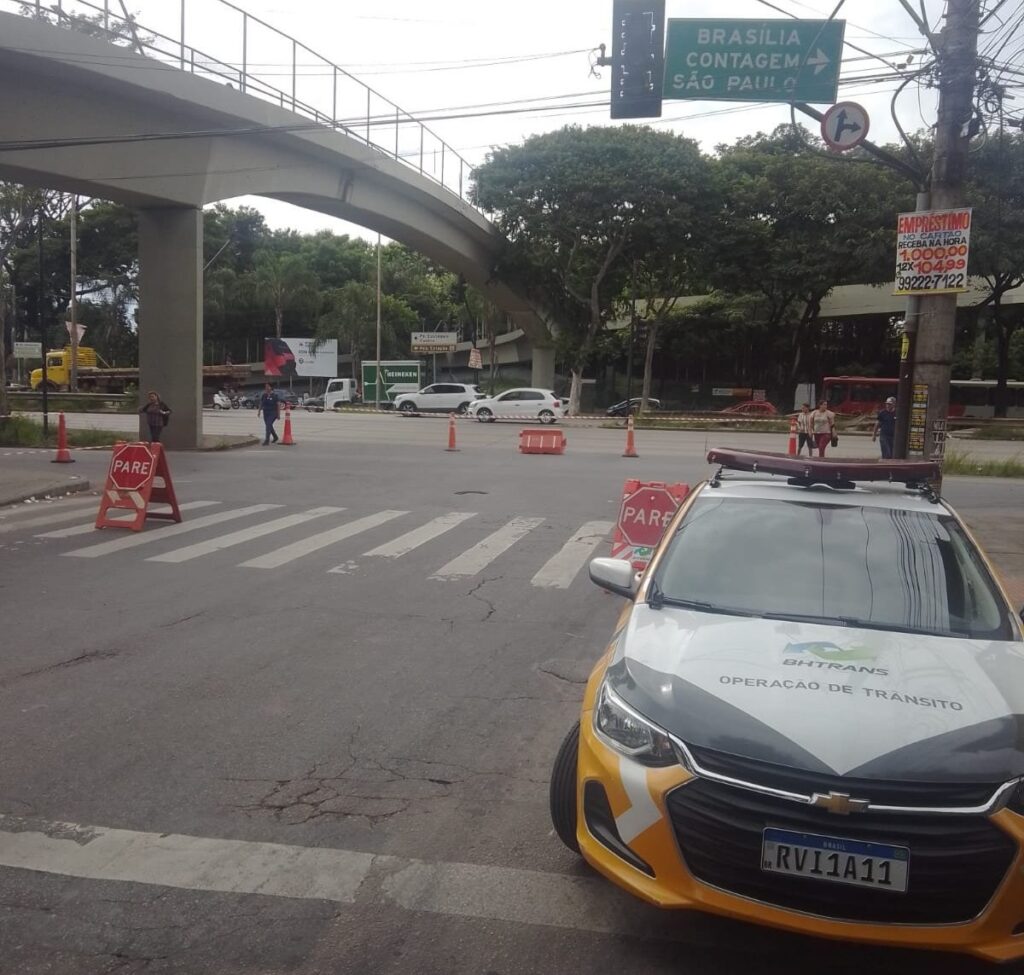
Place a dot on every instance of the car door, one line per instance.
(508, 404)
(428, 398)
(534, 401)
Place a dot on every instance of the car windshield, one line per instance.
(847, 565)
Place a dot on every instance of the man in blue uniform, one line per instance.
(885, 427)
(269, 409)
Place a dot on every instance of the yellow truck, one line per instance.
(97, 376)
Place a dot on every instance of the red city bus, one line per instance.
(854, 395)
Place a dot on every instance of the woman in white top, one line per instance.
(823, 424)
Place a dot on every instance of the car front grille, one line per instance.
(915, 795)
(956, 862)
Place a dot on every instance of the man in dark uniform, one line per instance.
(885, 427)
(269, 408)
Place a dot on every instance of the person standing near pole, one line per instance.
(157, 414)
(885, 427)
(270, 409)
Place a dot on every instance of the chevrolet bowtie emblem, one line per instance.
(839, 803)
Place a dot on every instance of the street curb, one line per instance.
(248, 442)
(78, 487)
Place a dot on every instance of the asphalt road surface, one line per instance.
(310, 729)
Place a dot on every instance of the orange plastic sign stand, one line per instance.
(138, 476)
(542, 442)
(646, 509)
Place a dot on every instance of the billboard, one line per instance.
(403, 373)
(932, 251)
(300, 357)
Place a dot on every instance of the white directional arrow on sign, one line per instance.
(820, 60)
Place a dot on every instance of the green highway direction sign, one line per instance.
(754, 60)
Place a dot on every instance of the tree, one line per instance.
(796, 223)
(997, 239)
(285, 283)
(351, 318)
(576, 205)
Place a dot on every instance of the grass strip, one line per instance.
(963, 463)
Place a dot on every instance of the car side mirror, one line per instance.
(615, 575)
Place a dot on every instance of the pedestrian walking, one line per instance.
(270, 409)
(157, 414)
(885, 427)
(803, 429)
(823, 425)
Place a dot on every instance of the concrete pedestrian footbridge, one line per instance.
(143, 118)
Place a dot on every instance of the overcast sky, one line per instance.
(437, 59)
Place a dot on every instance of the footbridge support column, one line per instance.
(543, 368)
(171, 318)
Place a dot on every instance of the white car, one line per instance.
(523, 404)
(438, 398)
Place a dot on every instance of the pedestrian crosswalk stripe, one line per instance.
(560, 570)
(404, 544)
(306, 546)
(90, 526)
(52, 517)
(474, 560)
(190, 552)
(130, 541)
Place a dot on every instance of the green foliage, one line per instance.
(20, 431)
(797, 223)
(963, 463)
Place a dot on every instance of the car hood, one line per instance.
(830, 699)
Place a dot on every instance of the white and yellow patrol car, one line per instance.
(810, 715)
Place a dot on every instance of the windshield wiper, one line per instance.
(699, 605)
(853, 621)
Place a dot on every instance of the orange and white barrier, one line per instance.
(63, 454)
(287, 440)
(630, 450)
(792, 437)
(542, 441)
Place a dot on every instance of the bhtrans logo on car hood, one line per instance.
(828, 699)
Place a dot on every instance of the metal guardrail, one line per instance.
(315, 87)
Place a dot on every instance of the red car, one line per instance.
(753, 407)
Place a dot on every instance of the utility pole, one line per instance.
(73, 305)
(376, 380)
(933, 355)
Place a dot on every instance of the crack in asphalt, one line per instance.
(82, 658)
(491, 609)
(361, 787)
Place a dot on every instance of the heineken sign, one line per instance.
(754, 60)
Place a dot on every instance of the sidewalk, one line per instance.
(17, 486)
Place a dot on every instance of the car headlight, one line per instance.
(629, 733)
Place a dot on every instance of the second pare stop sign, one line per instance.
(644, 514)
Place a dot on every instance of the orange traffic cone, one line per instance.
(63, 454)
(630, 440)
(451, 434)
(287, 440)
(792, 437)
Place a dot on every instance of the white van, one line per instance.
(339, 392)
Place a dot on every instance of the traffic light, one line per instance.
(638, 58)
